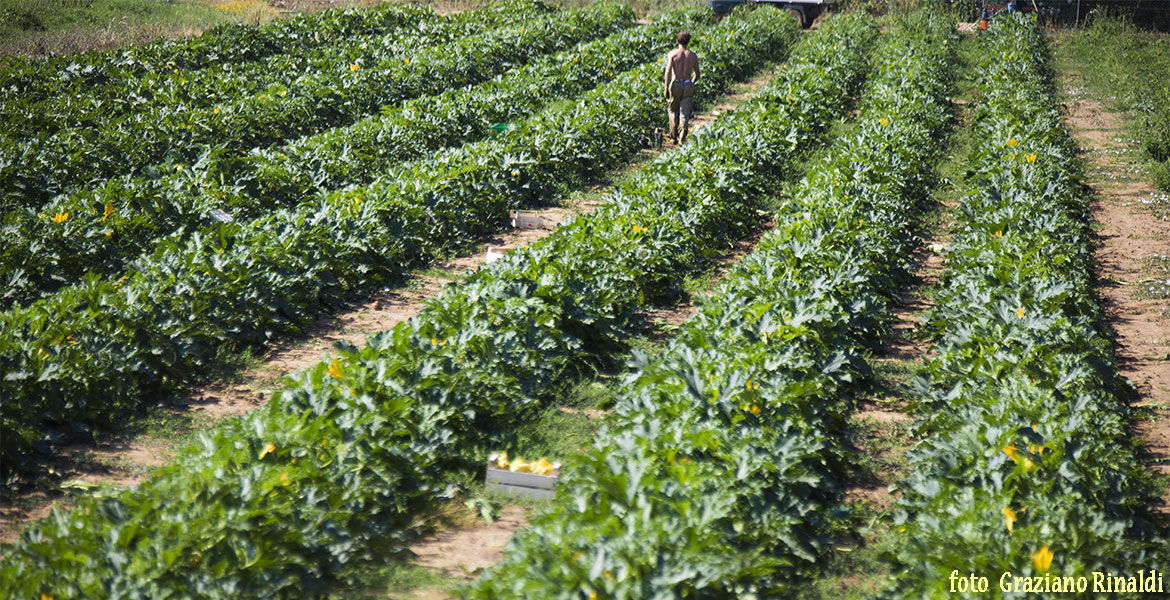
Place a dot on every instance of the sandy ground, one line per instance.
(1128, 234)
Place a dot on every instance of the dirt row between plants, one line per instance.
(125, 461)
(1128, 235)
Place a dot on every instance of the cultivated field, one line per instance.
(887, 325)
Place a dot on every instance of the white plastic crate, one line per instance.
(521, 483)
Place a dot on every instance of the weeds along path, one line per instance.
(125, 460)
(1131, 238)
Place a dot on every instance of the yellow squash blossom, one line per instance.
(1020, 312)
(354, 67)
(335, 369)
(268, 449)
(1042, 558)
(1010, 518)
(1030, 157)
(1019, 459)
(1012, 142)
(60, 217)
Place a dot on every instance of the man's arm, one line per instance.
(666, 73)
(696, 79)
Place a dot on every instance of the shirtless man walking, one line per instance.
(682, 73)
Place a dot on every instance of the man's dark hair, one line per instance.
(684, 38)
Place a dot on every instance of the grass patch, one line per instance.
(39, 27)
(392, 580)
(853, 571)
(702, 282)
(894, 381)
(566, 428)
(556, 434)
(884, 445)
(436, 273)
(856, 568)
(1156, 283)
(229, 365)
(168, 427)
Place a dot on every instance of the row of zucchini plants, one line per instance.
(1027, 468)
(1131, 64)
(45, 255)
(88, 353)
(37, 165)
(725, 453)
(333, 471)
(227, 83)
(25, 80)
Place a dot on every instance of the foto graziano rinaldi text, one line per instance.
(1096, 582)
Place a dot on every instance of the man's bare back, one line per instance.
(681, 64)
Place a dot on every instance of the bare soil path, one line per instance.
(126, 461)
(882, 420)
(1129, 235)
